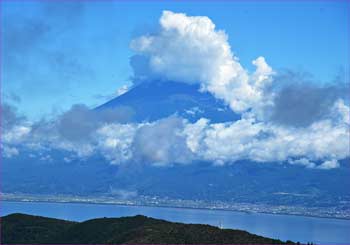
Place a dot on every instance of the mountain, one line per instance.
(151, 101)
(240, 182)
(22, 228)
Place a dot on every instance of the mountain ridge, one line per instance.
(23, 228)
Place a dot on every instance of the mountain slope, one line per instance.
(240, 182)
(155, 100)
(21, 228)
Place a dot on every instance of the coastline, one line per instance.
(126, 204)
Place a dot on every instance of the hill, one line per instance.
(22, 228)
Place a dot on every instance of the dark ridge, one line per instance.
(29, 229)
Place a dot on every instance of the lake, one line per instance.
(284, 227)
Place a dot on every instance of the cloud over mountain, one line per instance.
(300, 123)
(190, 50)
(299, 101)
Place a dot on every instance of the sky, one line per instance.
(55, 54)
(281, 68)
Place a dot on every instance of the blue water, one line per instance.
(284, 227)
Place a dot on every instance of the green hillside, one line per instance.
(22, 228)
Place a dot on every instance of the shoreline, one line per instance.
(165, 206)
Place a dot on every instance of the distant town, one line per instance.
(339, 212)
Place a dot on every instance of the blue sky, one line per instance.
(57, 54)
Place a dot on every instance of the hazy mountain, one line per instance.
(240, 182)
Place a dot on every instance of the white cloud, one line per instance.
(46, 158)
(330, 164)
(16, 134)
(67, 159)
(342, 111)
(190, 49)
(194, 111)
(162, 142)
(262, 75)
(175, 140)
(81, 149)
(302, 161)
(115, 140)
(9, 152)
(122, 90)
(265, 142)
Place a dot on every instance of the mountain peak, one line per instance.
(154, 100)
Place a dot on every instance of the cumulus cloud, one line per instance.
(295, 120)
(341, 111)
(175, 140)
(16, 134)
(9, 116)
(115, 141)
(162, 142)
(78, 123)
(74, 130)
(329, 164)
(299, 102)
(9, 152)
(190, 50)
(263, 142)
(300, 124)
(14, 130)
(303, 162)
